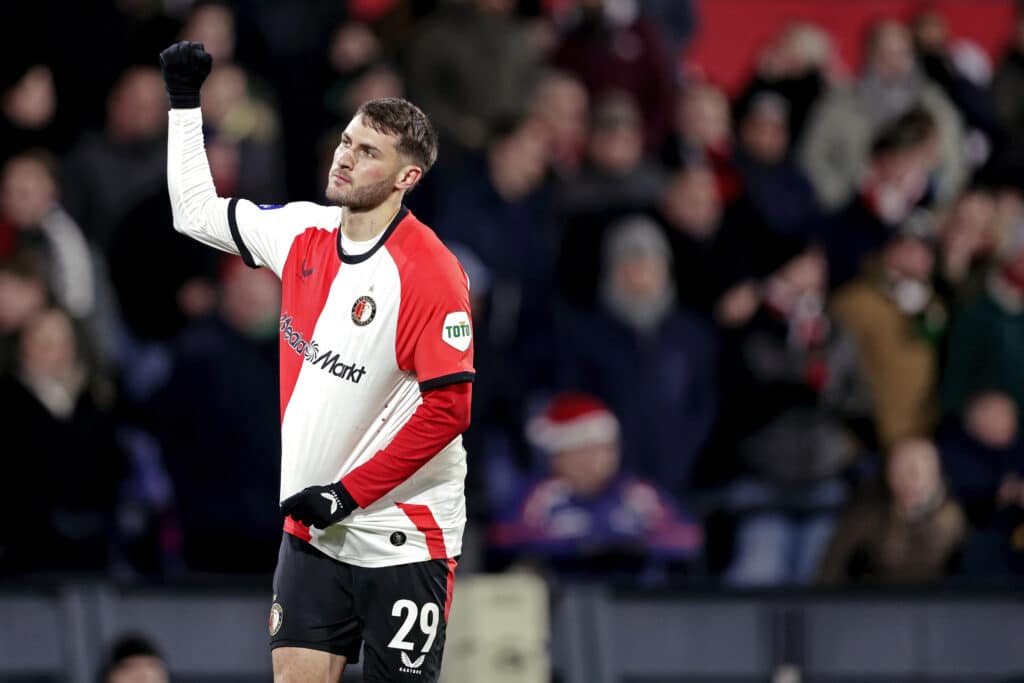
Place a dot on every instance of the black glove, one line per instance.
(185, 65)
(319, 506)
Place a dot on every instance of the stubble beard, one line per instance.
(359, 198)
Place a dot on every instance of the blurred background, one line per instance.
(748, 295)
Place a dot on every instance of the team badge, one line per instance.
(276, 618)
(363, 311)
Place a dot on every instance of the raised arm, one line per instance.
(198, 211)
(261, 235)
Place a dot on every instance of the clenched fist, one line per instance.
(185, 66)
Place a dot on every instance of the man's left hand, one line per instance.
(319, 506)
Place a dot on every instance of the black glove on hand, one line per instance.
(185, 65)
(319, 506)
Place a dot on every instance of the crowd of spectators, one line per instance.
(773, 337)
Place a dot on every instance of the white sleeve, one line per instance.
(237, 226)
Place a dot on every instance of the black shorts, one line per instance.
(399, 612)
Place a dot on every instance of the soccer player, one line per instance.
(376, 366)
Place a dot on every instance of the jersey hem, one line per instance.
(445, 380)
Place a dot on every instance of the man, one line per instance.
(375, 371)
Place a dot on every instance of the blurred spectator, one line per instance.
(836, 147)
(1008, 86)
(649, 360)
(472, 64)
(133, 659)
(23, 292)
(968, 240)
(616, 181)
(952, 65)
(773, 183)
(178, 282)
(898, 322)
(375, 81)
(243, 138)
(798, 66)
(57, 420)
(500, 210)
(677, 20)
(243, 131)
(983, 454)
(212, 23)
(28, 103)
(715, 247)
(703, 134)
(792, 396)
(29, 205)
(587, 516)
(611, 47)
(108, 173)
(217, 425)
(902, 156)
(561, 104)
(986, 340)
(910, 531)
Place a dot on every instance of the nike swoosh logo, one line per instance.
(306, 272)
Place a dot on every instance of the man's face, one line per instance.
(365, 168)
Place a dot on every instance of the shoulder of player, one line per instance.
(422, 256)
(305, 214)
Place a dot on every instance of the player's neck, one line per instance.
(361, 226)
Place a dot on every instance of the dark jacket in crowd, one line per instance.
(849, 236)
(60, 485)
(986, 345)
(218, 421)
(662, 388)
(780, 193)
(793, 397)
(975, 470)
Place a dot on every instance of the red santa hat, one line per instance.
(572, 420)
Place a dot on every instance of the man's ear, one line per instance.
(408, 176)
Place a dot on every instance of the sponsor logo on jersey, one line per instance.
(310, 351)
(276, 618)
(456, 330)
(267, 207)
(363, 311)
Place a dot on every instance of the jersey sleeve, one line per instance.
(262, 236)
(435, 329)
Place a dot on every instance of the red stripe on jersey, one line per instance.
(424, 520)
(443, 415)
(306, 281)
(297, 529)
(450, 586)
(433, 286)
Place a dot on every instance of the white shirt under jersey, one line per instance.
(363, 329)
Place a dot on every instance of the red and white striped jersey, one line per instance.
(361, 335)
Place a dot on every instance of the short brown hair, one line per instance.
(417, 138)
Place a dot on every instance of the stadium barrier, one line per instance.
(508, 628)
